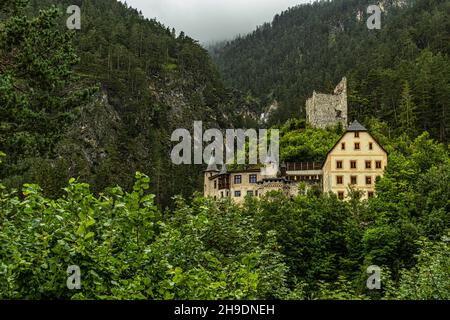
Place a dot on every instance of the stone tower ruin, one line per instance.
(324, 110)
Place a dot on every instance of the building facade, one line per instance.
(356, 160)
(237, 184)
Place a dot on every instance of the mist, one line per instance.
(209, 21)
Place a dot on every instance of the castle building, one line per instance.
(234, 184)
(356, 160)
(324, 110)
(239, 183)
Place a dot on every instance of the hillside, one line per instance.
(150, 81)
(98, 106)
(402, 67)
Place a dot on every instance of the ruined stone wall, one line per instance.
(324, 110)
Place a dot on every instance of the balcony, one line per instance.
(303, 166)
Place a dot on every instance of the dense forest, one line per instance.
(148, 82)
(86, 178)
(313, 246)
(399, 70)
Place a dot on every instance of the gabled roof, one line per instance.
(356, 126)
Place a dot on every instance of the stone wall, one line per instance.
(324, 110)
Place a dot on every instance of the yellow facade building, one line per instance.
(356, 160)
(235, 184)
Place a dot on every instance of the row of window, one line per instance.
(304, 178)
(253, 178)
(356, 146)
(238, 193)
(251, 193)
(353, 164)
(341, 195)
(354, 180)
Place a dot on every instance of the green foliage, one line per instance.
(312, 46)
(429, 279)
(306, 144)
(96, 233)
(310, 247)
(407, 112)
(150, 83)
(39, 93)
(341, 289)
(127, 250)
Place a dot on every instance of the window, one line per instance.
(221, 194)
(356, 134)
(237, 194)
(250, 193)
(339, 164)
(370, 146)
(357, 146)
(252, 178)
(368, 164)
(354, 179)
(368, 180)
(353, 164)
(215, 184)
(378, 164)
(343, 145)
(341, 195)
(340, 180)
(370, 194)
(238, 179)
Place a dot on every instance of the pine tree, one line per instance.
(38, 89)
(408, 119)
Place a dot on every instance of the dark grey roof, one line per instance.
(212, 166)
(356, 126)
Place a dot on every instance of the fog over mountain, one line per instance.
(213, 20)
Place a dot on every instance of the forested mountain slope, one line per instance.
(101, 103)
(399, 74)
(149, 82)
